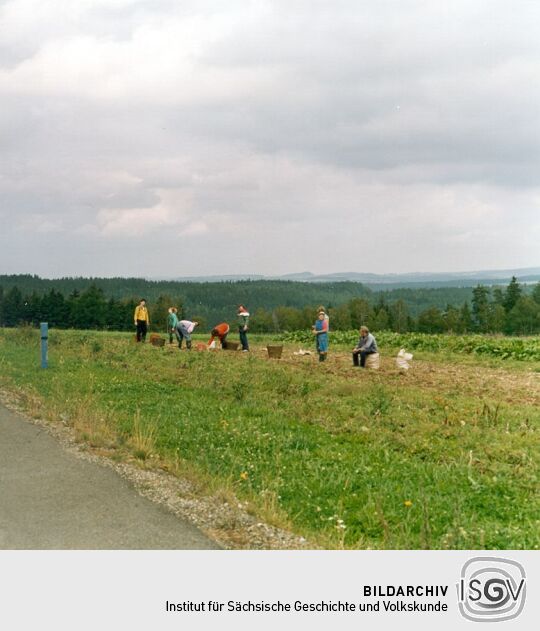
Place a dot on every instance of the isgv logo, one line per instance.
(491, 589)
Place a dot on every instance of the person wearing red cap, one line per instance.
(220, 331)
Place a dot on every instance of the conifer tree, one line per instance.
(451, 319)
(512, 295)
(480, 308)
(12, 307)
(536, 293)
(431, 321)
(524, 318)
(465, 319)
(399, 314)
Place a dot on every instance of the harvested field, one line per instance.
(443, 456)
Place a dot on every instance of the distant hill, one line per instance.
(390, 281)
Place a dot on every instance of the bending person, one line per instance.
(184, 329)
(367, 345)
(220, 331)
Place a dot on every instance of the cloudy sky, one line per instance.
(163, 138)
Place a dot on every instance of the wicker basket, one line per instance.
(230, 346)
(157, 340)
(274, 350)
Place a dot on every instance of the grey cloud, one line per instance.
(398, 114)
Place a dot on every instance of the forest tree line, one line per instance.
(511, 310)
(213, 300)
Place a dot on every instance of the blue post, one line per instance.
(44, 344)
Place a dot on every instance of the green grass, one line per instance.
(442, 457)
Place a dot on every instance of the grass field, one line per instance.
(444, 456)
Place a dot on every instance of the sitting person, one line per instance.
(184, 329)
(367, 345)
(220, 331)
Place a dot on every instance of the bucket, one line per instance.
(230, 346)
(274, 350)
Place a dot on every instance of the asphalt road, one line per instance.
(50, 499)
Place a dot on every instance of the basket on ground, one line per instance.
(275, 350)
(230, 346)
(157, 340)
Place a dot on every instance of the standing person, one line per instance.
(320, 331)
(243, 322)
(142, 320)
(172, 321)
(366, 345)
(184, 329)
(220, 331)
(323, 310)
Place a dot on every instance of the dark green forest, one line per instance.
(275, 306)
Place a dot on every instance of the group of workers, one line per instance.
(182, 330)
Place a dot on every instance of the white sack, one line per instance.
(403, 358)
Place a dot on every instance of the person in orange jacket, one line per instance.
(220, 331)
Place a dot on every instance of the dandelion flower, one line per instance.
(407, 503)
(244, 475)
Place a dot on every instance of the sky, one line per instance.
(160, 138)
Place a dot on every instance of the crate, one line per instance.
(275, 350)
(230, 346)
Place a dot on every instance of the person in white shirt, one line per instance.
(184, 329)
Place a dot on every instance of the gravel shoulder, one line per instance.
(50, 499)
(56, 493)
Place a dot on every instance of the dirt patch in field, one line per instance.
(499, 384)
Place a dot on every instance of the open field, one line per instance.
(444, 456)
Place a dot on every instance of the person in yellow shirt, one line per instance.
(142, 320)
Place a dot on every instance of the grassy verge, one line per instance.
(442, 457)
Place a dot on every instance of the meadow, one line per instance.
(444, 456)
